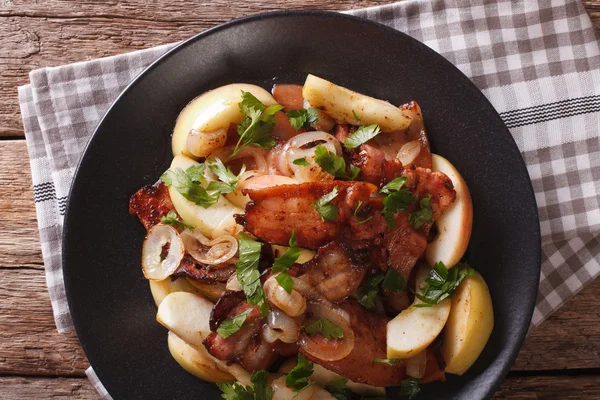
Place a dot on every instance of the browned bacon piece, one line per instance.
(369, 344)
(203, 273)
(274, 212)
(332, 272)
(150, 204)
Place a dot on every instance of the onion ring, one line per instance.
(154, 266)
(210, 252)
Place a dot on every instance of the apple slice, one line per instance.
(161, 289)
(345, 105)
(196, 361)
(469, 325)
(454, 226)
(212, 222)
(212, 112)
(415, 328)
(187, 315)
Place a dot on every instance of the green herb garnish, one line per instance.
(232, 325)
(326, 328)
(398, 199)
(326, 210)
(248, 274)
(284, 262)
(368, 290)
(255, 129)
(297, 378)
(187, 183)
(423, 215)
(410, 387)
(171, 219)
(236, 391)
(362, 135)
(334, 164)
(441, 283)
(388, 361)
(356, 218)
(301, 161)
(303, 118)
(355, 116)
(228, 180)
(393, 281)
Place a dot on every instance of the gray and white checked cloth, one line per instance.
(538, 64)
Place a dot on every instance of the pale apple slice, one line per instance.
(257, 182)
(454, 226)
(197, 361)
(187, 315)
(213, 111)
(415, 328)
(345, 105)
(469, 325)
(212, 222)
(161, 289)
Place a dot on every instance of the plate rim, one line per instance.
(530, 298)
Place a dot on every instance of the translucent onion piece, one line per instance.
(281, 326)
(303, 146)
(252, 157)
(328, 349)
(293, 304)
(416, 365)
(210, 252)
(201, 144)
(409, 152)
(154, 266)
(282, 392)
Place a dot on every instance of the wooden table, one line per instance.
(560, 359)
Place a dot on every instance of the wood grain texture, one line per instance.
(531, 388)
(29, 342)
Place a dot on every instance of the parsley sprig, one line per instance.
(334, 164)
(261, 389)
(358, 221)
(423, 215)
(409, 387)
(255, 129)
(297, 378)
(326, 210)
(303, 118)
(362, 135)
(284, 262)
(301, 161)
(398, 199)
(232, 325)
(340, 391)
(187, 183)
(326, 328)
(441, 283)
(227, 179)
(172, 219)
(248, 274)
(368, 291)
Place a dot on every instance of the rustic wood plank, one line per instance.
(29, 342)
(47, 388)
(34, 35)
(19, 238)
(546, 387)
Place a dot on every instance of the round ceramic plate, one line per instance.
(109, 298)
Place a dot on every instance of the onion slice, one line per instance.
(252, 157)
(303, 146)
(154, 266)
(328, 349)
(210, 252)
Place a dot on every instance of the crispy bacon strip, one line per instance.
(150, 204)
(369, 344)
(274, 212)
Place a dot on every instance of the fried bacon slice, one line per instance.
(369, 344)
(274, 212)
(332, 272)
(151, 203)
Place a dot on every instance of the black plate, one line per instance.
(110, 301)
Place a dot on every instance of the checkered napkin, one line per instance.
(538, 64)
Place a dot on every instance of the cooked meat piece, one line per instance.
(332, 272)
(289, 96)
(369, 344)
(385, 147)
(274, 212)
(151, 203)
(203, 273)
(404, 246)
